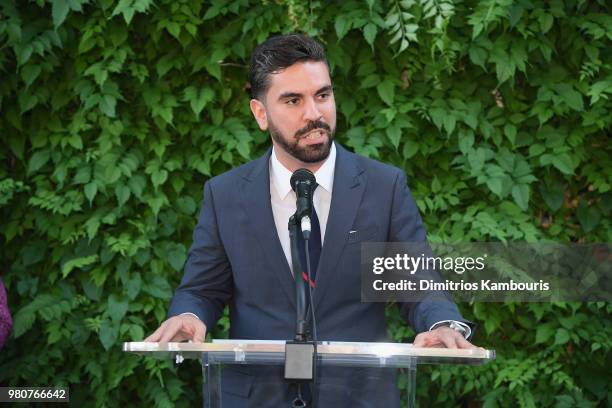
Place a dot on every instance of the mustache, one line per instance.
(317, 124)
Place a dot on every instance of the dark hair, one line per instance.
(278, 53)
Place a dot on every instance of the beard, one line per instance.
(312, 153)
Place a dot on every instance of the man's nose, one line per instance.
(311, 110)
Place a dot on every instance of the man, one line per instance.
(241, 256)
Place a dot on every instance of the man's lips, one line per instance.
(314, 135)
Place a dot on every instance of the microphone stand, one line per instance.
(301, 328)
(299, 354)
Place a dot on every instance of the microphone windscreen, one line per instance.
(302, 175)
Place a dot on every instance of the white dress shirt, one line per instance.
(283, 197)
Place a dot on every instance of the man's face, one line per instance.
(300, 111)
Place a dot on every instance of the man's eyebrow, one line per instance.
(289, 95)
(326, 88)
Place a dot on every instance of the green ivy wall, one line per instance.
(114, 113)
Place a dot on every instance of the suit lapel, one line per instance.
(256, 203)
(346, 198)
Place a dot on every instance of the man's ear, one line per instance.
(259, 112)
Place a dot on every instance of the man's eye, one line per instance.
(292, 101)
(324, 95)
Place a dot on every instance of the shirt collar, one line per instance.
(281, 176)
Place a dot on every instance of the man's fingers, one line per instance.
(442, 337)
(464, 344)
(200, 333)
(428, 339)
(448, 338)
(156, 334)
(179, 328)
(171, 331)
(419, 341)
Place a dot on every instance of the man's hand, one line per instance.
(180, 328)
(442, 336)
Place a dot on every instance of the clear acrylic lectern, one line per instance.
(214, 356)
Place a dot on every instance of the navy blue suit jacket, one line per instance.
(236, 259)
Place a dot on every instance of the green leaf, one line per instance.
(156, 203)
(159, 177)
(394, 133)
(589, 217)
(466, 141)
(27, 101)
(33, 253)
(91, 227)
(369, 33)
(23, 321)
(186, 205)
(59, 11)
(137, 185)
(544, 332)
(107, 105)
(198, 99)
(449, 121)
(133, 287)
(117, 307)
(369, 81)
(562, 336)
(76, 141)
(174, 29)
(29, 73)
(553, 196)
(342, 25)
(410, 148)
(211, 13)
(599, 90)
(158, 288)
(38, 159)
(536, 150)
(78, 263)
(177, 255)
(165, 64)
(495, 184)
(91, 189)
(571, 97)
(129, 7)
(26, 316)
(437, 116)
(563, 162)
(109, 333)
(478, 56)
(386, 91)
(122, 192)
(136, 333)
(520, 194)
(476, 158)
(504, 66)
(546, 22)
(510, 132)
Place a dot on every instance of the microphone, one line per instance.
(303, 182)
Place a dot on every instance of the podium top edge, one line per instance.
(380, 350)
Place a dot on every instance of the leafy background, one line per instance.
(114, 113)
